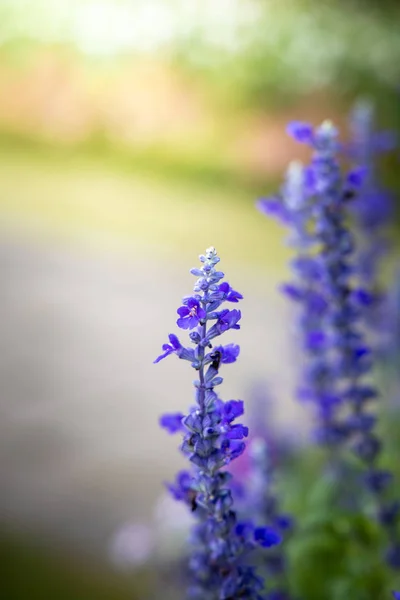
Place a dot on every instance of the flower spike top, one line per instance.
(219, 544)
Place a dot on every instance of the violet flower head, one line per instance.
(219, 544)
(190, 314)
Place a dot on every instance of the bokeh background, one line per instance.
(133, 135)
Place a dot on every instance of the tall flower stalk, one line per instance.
(334, 304)
(219, 544)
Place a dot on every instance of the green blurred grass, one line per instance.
(31, 572)
(65, 192)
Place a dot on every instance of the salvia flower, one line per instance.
(219, 544)
(333, 308)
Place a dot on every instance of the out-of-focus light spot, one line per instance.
(132, 545)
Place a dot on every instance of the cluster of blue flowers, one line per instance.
(211, 440)
(335, 287)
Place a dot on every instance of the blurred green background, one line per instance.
(134, 134)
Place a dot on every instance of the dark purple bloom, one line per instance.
(284, 522)
(229, 293)
(393, 556)
(367, 447)
(182, 488)
(225, 354)
(308, 267)
(237, 432)
(292, 291)
(357, 176)
(364, 297)
(228, 319)
(301, 132)
(378, 480)
(172, 422)
(389, 513)
(274, 207)
(396, 595)
(173, 346)
(266, 537)
(190, 314)
(232, 409)
(316, 340)
(361, 422)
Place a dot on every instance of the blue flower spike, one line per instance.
(219, 544)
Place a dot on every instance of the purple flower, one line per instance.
(266, 537)
(389, 514)
(357, 176)
(292, 291)
(229, 293)
(393, 556)
(172, 422)
(377, 480)
(301, 132)
(182, 488)
(396, 595)
(225, 354)
(237, 432)
(316, 340)
(173, 346)
(228, 319)
(363, 297)
(274, 207)
(232, 409)
(190, 314)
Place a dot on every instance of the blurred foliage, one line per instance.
(336, 552)
(30, 571)
(256, 53)
(157, 161)
(66, 192)
(289, 49)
